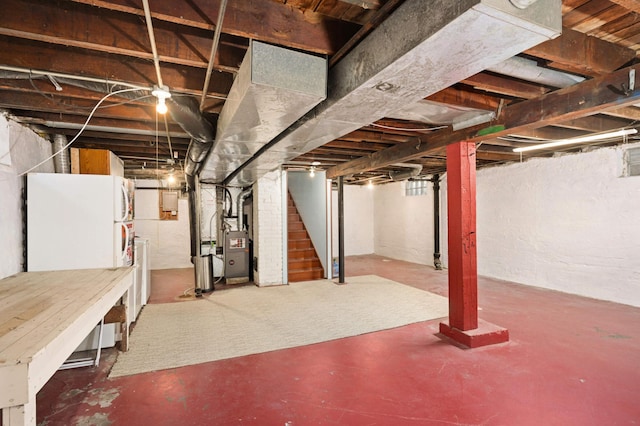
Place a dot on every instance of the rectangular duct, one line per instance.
(422, 48)
(274, 87)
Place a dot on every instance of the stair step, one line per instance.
(306, 274)
(298, 244)
(305, 263)
(298, 235)
(295, 226)
(304, 253)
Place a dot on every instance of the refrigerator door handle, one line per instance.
(125, 242)
(125, 206)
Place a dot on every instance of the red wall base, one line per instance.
(486, 334)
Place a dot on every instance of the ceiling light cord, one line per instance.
(214, 49)
(104, 98)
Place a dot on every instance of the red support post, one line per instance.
(463, 325)
(461, 208)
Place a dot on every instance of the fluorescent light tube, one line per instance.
(581, 139)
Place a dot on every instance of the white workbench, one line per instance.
(44, 316)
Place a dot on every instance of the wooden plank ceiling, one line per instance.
(108, 39)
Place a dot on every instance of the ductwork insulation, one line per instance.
(422, 48)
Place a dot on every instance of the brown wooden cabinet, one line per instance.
(95, 162)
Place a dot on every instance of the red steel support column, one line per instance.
(463, 325)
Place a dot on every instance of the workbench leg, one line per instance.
(20, 415)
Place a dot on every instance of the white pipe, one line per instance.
(214, 49)
(152, 40)
(71, 77)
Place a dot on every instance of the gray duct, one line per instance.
(528, 70)
(62, 161)
(186, 112)
(423, 47)
(274, 87)
(412, 170)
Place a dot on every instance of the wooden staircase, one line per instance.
(303, 264)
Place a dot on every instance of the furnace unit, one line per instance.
(236, 257)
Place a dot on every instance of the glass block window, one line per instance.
(416, 187)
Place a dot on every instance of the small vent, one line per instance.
(633, 162)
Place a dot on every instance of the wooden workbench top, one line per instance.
(43, 318)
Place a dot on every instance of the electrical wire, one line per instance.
(166, 128)
(84, 126)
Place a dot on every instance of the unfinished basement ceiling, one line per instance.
(538, 99)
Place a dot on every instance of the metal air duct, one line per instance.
(422, 48)
(62, 161)
(273, 88)
(528, 70)
(413, 170)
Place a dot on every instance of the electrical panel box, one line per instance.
(169, 201)
(236, 257)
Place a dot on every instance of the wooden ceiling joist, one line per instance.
(560, 106)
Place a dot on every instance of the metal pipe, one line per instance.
(70, 77)
(528, 70)
(214, 49)
(62, 161)
(239, 201)
(152, 40)
(437, 263)
(197, 259)
(341, 229)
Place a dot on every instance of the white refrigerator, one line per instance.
(79, 222)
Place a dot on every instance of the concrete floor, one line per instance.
(570, 361)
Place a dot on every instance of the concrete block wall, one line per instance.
(569, 223)
(169, 240)
(358, 220)
(20, 149)
(403, 225)
(268, 229)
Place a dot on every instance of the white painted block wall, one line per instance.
(570, 223)
(20, 149)
(169, 240)
(358, 220)
(403, 224)
(268, 229)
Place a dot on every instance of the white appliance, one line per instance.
(143, 274)
(79, 222)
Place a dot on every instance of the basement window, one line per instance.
(633, 162)
(415, 187)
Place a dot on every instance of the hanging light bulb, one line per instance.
(161, 107)
(171, 179)
(312, 171)
(162, 93)
(370, 184)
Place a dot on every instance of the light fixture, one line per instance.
(171, 179)
(580, 139)
(162, 93)
(315, 163)
(312, 171)
(370, 184)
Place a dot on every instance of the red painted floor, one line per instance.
(570, 361)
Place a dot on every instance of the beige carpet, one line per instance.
(249, 320)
